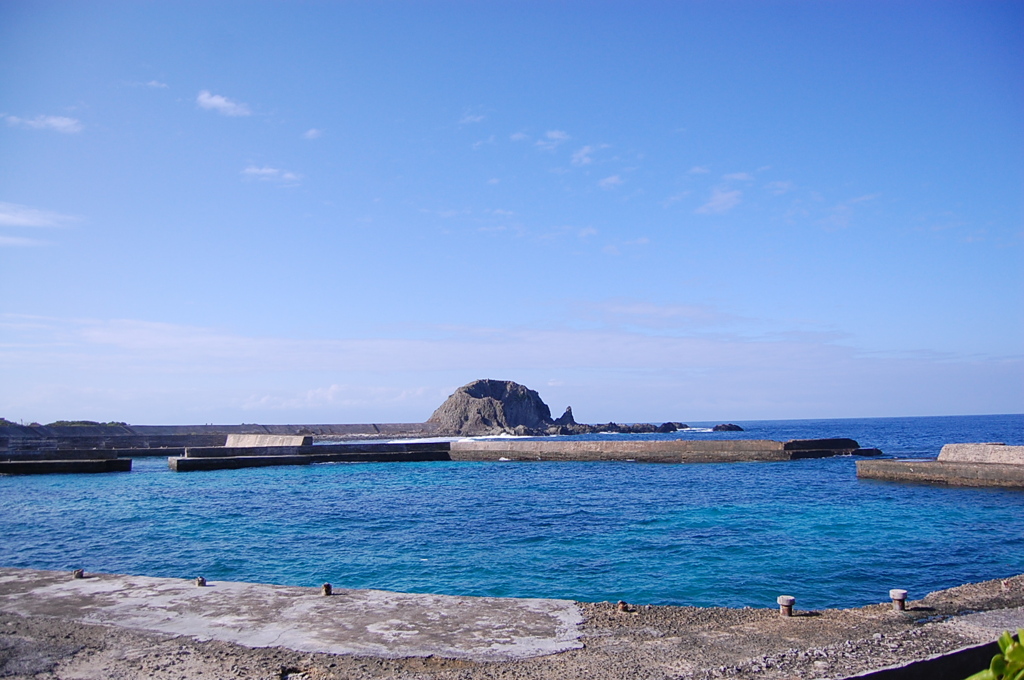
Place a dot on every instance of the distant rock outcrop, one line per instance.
(492, 407)
(566, 418)
(727, 427)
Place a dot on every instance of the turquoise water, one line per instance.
(716, 534)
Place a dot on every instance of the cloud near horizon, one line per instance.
(155, 371)
(17, 215)
(20, 242)
(221, 104)
(62, 124)
(552, 140)
(266, 173)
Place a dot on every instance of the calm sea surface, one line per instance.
(714, 534)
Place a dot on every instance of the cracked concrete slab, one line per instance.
(361, 622)
(989, 625)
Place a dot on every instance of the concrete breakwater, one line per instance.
(673, 451)
(142, 437)
(984, 464)
(236, 457)
(62, 461)
(677, 451)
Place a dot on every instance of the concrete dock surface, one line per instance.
(364, 622)
(978, 464)
(54, 627)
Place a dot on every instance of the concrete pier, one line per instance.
(673, 451)
(140, 437)
(62, 461)
(985, 464)
(678, 451)
(364, 622)
(233, 458)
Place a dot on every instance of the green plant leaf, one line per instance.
(1005, 641)
(984, 675)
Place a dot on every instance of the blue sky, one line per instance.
(341, 211)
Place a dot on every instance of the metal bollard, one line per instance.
(786, 603)
(200, 581)
(326, 589)
(899, 599)
(78, 573)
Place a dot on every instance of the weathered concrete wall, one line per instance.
(42, 467)
(943, 472)
(27, 438)
(268, 440)
(675, 451)
(839, 444)
(59, 454)
(233, 458)
(335, 430)
(982, 453)
(315, 451)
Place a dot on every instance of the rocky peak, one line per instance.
(566, 418)
(485, 407)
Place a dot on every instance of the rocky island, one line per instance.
(502, 407)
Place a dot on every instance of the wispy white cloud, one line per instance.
(494, 180)
(675, 198)
(721, 201)
(738, 177)
(312, 133)
(863, 199)
(15, 215)
(649, 314)
(61, 124)
(610, 182)
(632, 369)
(483, 142)
(779, 188)
(156, 84)
(841, 214)
(552, 139)
(267, 173)
(583, 156)
(335, 396)
(19, 242)
(700, 170)
(469, 118)
(519, 137)
(447, 213)
(221, 104)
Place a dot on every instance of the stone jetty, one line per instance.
(248, 453)
(673, 451)
(982, 464)
(55, 461)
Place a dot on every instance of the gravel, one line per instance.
(643, 642)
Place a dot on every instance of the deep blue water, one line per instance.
(713, 534)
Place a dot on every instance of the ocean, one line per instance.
(731, 534)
